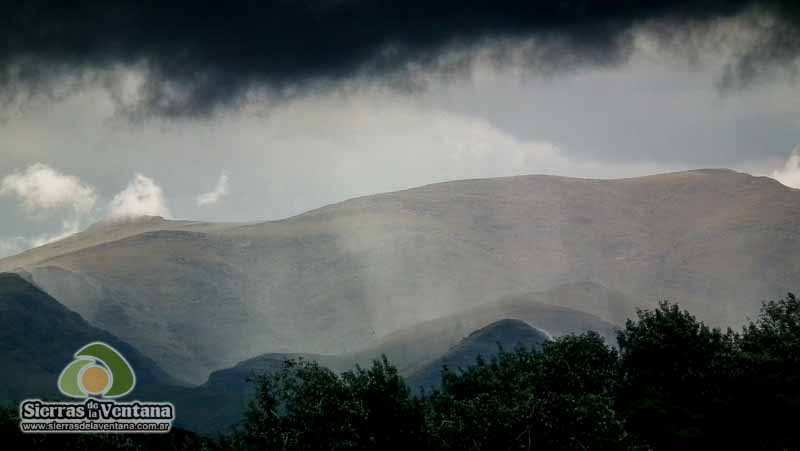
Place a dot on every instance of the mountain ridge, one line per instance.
(504, 334)
(40, 336)
(159, 223)
(334, 279)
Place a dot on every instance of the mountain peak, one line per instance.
(330, 282)
(485, 342)
(128, 220)
(503, 329)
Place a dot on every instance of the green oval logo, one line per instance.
(98, 370)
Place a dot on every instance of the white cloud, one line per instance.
(46, 192)
(15, 245)
(42, 188)
(214, 196)
(142, 197)
(789, 175)
(43, 191)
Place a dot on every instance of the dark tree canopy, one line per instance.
(673, 383)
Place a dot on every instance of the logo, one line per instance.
(98, 370)
(98, 375)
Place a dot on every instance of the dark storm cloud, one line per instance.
(201, 55)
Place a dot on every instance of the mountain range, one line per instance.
(412, 272)
(40, 336)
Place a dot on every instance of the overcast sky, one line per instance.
(78, 157)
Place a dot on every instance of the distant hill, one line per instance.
(38, 337)
(422, 343)
(413, 347)
(198, 297)
(221, 401)
(418, 352)
(506, 334)
(235, 378)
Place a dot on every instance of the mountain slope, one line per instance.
(200, 297)
(504, 334)
(415, 346)
(38, 337)
(222, 400)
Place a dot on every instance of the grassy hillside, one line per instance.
(200, 297)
